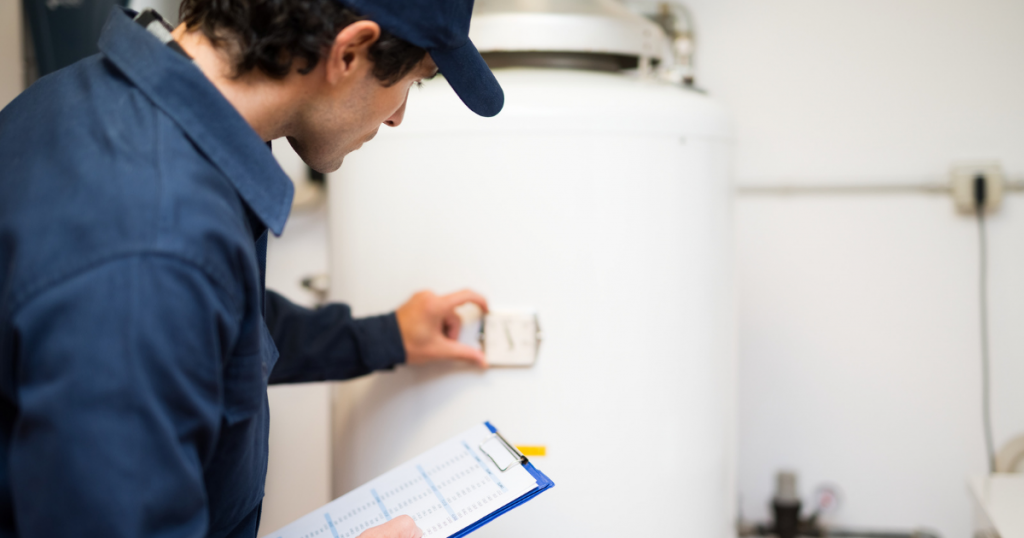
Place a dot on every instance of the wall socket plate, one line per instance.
(962, 177)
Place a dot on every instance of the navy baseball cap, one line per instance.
(442, 28)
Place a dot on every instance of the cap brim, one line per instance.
(471, 78)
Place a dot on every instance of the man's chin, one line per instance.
(324, 167)
(319, 162)
(330, 167)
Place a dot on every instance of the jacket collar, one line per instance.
(182, 92)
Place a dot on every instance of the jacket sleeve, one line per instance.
(328, 344)
(119, 401)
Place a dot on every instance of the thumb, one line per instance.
(459, 351)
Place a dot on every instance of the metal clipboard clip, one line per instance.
(502, 453)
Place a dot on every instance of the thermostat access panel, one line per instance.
(508, 337)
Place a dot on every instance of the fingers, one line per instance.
(452, 321)
(450, 301)
(406, 527)
(462, 352)
(430, 328)
(400, 527)
(452, 325)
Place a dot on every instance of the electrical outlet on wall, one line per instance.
(963, 176)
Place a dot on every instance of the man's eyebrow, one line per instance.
(434, 74)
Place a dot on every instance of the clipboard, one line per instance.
(543, 484)
(450, 491)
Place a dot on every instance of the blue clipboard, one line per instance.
(543, 484)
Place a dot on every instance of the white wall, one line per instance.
(859, 360)
(878, 89)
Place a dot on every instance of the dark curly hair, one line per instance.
(270, 35)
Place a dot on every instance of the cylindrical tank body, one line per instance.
(602, 201)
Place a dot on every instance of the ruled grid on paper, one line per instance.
(444, 490)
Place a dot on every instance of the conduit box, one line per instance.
(963, 179)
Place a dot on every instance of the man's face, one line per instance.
(339, 120)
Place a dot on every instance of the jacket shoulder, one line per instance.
(94, 170)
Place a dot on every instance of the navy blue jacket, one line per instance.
(136, 337)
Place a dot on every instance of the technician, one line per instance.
(136, 195)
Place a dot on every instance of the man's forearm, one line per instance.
(328, 343)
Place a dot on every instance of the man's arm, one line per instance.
(118, 395)
(329, 344)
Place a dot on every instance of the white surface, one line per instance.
(444, 490)
(603, 26)
(860, 355)
(865, 89)
(1000, 499)
(859, 328)
(604, 203)
(299, 471)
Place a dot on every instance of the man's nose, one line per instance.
(396, 119)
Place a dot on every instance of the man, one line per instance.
(136, 195)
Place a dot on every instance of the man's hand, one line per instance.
(400, 527)
(430, 328)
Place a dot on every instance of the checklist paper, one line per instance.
(444, 490)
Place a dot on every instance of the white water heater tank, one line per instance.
(601, 200)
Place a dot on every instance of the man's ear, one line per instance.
(350, 49)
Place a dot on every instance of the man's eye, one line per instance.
(419, 83)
